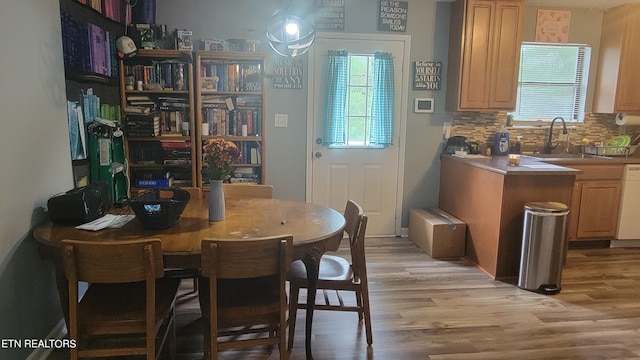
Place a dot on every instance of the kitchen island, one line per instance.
(489, 196)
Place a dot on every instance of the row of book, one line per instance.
(159, 123)
(160, 153)
(244, 174)
(153, 178)
(231, 123)
(238, 77)
(83, 112)
(117, 10)
(87, 47)
(166, 75)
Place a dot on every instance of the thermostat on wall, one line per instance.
(423, 105)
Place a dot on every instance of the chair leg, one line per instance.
(359, 303)
(294, 291)
(206, 338)
(367, 313)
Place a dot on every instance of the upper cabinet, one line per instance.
(484, 55)
(616, 88)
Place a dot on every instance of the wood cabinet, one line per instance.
(160, 133)
(616, 88)
(484, 55)
(230, 104)
(595, 202)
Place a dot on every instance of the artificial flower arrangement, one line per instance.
(219, 155)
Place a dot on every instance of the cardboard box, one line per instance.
(437, 233)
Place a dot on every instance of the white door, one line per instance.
(369, 176)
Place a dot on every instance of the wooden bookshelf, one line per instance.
(230, 101)
(160, 143)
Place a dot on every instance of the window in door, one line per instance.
(552, 82)
(360, 100)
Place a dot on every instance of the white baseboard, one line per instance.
(58, 332)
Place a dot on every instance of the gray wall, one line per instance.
(427, 24)
(35, 163)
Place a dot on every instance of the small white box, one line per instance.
(439, 234)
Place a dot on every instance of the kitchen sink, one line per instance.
(568, 156)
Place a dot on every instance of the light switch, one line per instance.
(281, 120)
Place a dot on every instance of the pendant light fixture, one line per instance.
(290, 33)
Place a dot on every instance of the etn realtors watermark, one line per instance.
(37, 343)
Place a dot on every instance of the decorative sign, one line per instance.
(553, 26)
(427, 75)
(287, 74)
(393, 15)
(330, 15)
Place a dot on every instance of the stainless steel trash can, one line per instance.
(543, 247)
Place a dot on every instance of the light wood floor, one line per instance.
(447, 309)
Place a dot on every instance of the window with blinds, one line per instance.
(552, 82)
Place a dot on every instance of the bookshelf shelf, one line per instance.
(230, 103)
(160, 133)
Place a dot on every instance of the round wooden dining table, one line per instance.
(316, 229)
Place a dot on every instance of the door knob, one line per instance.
(318, 154)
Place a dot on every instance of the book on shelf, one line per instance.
(177, 161)
(146, 110)
(153, 183)
(251, 77)
(140, 126)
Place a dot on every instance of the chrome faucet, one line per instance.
(549, 147)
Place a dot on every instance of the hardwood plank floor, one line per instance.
(447, 309)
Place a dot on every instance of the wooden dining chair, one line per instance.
(247, 191)
(245, 301)
(337, 275)
(128, 308)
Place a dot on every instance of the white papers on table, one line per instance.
(107, 221)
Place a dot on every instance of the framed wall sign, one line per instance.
(423, 105)
(330, 15)
(393, 15)
(427, 75)
(287, 74)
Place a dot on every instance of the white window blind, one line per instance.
(552, 82)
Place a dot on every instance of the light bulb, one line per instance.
(291, 28)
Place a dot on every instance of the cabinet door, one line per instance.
(598, 212)
(628, 98)
(476, 62)
(506, 55)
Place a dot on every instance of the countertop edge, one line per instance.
(529, 166)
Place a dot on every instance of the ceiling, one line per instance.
(589, 4)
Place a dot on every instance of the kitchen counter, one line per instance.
(528, 165)
(489, 196)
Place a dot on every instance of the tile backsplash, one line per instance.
(481, 127)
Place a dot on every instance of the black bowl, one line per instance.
(157, 211)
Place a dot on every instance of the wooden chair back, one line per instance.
(247, 191)
(128, 271)
(112, 261)
(356, 228)
(245, 269)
